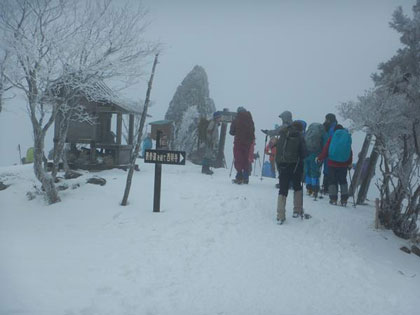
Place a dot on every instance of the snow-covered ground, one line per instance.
(214, 249)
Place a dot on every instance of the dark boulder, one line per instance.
(405, 250)
(72, 174)
(3, 186)
(97, 181)
(415, 250)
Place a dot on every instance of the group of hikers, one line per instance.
(298, 154)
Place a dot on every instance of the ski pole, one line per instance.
(231, 168)
(265, 145)
(354, 202)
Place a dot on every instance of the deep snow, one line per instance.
(214, 249)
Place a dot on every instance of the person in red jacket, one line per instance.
(242, 128)
(337, 167)
(270, 150)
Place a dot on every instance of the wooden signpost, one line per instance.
(159, 157)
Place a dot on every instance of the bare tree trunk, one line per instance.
(46, 180)
(361, 198)
(359, 165)
(1, 94)
(136, 148)
(59, 143)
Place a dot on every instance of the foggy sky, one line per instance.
(268, 56)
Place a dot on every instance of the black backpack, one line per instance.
(289, 146)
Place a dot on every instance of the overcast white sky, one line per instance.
(268, 56)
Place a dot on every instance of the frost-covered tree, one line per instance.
(4, 84)
(391, 112)
(190, 103)
(95, 39)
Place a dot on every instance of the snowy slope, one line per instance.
(214, 249)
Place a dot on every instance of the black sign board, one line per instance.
(165, 157)
(228, 117)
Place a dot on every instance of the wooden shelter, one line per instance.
(103, 137)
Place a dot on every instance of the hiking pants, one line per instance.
(312, 171)
(290, 173)
(337, 176)
(241, 157)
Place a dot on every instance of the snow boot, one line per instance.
(281, 209)
(333, 201)
(206, 170)
(298, 203)
(237, 181)
(344, 191)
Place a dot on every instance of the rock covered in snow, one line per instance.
(3, 186)
(97, 181)
(190, 103)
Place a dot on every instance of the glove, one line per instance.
(264, 131)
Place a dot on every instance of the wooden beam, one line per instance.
(119, 128)
(131, 129)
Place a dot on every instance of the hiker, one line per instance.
(329, 125)
(340, 156)
(286, 117)
(291, 151)
(242, 128)
(314, 144)
(147, 144)
(210, 138)
(270, 150)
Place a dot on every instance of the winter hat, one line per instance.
(286, 116)
(330, 118)
(241, 109)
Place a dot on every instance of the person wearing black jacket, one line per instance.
(291, 152)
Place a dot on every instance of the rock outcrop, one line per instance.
(190, 103)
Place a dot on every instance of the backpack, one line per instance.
(288, 147)
(340, 146)
(313, 137)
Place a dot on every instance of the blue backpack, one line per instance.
(340, 146)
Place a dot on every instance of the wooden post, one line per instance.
(131, 129)
(119, 128)
(158, 177)
(93, 151)
(220, 160)
(359, 165)
(364, 187)
(377, 213)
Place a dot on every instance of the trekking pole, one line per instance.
(265, 145)
(231, 168)
(354, 201)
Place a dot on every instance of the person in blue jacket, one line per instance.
(146, 144)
